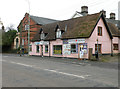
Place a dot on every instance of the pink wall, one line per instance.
(33, 52)
(104, 40)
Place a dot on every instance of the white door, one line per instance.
(81, 52)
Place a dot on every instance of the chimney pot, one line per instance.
(104, 13)
(84, 10)
(112, 15)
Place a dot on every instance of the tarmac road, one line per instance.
(45, 72)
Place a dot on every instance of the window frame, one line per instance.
(99, 31)
(58, 33)
(37, 48)
(99, 48)
(115, 48)
(46, 51)
(30, 48)
(42, 36)
(73, 49)
(55, 48)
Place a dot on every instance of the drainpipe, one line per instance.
(111, 48)
(49, 48)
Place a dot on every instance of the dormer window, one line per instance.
(42, 36)
(58, 33)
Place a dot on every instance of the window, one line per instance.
(37, 48)
(99, 31)
(58, 34)
(42, 36)
(99, 48)
(73, 48)
(115, 46)
(30, 47)
(22, 41)
(46, 48)
(26, 27)
(57, 49)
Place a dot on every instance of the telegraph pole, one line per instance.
(28, 27)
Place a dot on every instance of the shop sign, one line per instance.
(71, 41)
(41, 43)
(65, 41)
(66, 49)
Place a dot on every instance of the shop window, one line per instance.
(115, 46)
(99, 31)
(37, 48)
(46, 48)
(99, 48)
(57, 49)
(73, 48)
(30, 47)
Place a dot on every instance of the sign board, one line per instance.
(42, 43)
(66, 49)
(71, 41)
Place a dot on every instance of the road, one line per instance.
(44, 72)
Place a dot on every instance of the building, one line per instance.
(17, 41)
(74, 38)
(35, 24)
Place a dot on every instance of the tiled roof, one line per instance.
(80, 27)
(114, 30)
(41, 20)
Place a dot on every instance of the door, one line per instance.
(42, 50)
(81, 53)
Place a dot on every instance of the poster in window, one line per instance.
(66, 49)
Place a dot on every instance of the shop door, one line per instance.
(81, 51)
(42, 50)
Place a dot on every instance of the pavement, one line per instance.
(30, 71)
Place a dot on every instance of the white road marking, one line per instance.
(65, 73)
(68, 74)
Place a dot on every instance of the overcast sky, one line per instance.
(13, 11)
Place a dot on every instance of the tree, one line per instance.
(8, 39)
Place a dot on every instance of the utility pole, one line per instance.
(28, 27)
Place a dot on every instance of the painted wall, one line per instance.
(33, 52)
(104, 40)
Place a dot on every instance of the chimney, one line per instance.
(84, 10)
(104, 13)
(112, 16)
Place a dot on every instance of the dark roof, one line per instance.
(113, 21)
(81, 27)
(41, 20)
(114, 30)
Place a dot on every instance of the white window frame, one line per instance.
(42, 36)
(23, 41)
(26, 27)
(58, 33)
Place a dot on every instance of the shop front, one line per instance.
(76, 48)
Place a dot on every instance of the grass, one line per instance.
(109, 58)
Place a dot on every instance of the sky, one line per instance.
(13, 11)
